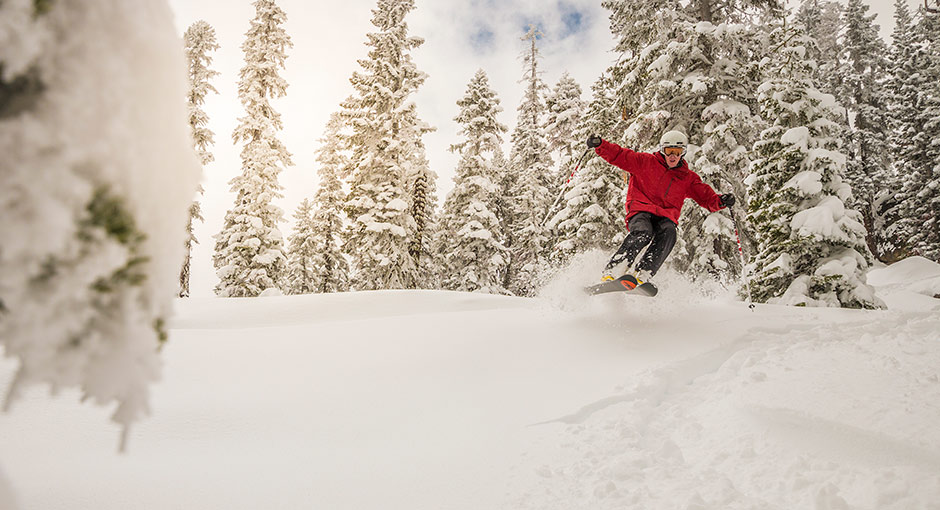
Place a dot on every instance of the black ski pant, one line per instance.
(645, 227)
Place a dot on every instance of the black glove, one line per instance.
(727, 200)
(594, 141)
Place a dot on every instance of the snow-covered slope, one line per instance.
(436, 400)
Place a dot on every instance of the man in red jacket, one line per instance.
(659, 184)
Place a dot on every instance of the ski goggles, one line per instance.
(673, 151)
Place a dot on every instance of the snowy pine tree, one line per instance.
(565, 108)
(331, 270)
(422, 188)
(918, 202)
(861, 76)
(531, 168)
(812, 248)
(96, 177)
(387, 156)
(249, 251)
(823, 22)
(730, 128)
(907, 140)
(592, 210)
(199, 40)
(301, 252)
(503, 206)
(470, 240)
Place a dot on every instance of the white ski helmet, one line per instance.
(674, 139)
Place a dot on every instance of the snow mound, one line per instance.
(912, 284)
(911, 270)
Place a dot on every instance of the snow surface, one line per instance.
(440, 400)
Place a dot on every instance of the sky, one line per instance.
(461, 37)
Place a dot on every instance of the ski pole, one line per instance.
(564, 187)
(747, 280)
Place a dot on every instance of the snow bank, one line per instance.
(910, 271)
(910, 283)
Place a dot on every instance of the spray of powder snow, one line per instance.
(564, 290)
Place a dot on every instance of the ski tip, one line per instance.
(648, 289)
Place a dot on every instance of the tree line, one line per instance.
(826, 131)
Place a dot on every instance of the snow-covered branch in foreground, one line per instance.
(96, 178)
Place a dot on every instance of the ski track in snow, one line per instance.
(767, 421)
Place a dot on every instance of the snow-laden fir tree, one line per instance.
(249, 251)
(96, 177)
(565, 108)
(301, 252)
(470, 240)
(592, 209)
(199, 40)
(728, 133)
(908, 142)
(503, 205)
(422, 188)
(531, 168)
(331, 270)
(677, 59)
(688, 66)
(812, 248)
(387, 154)
(861, 75)
(918, 202)
(823, 22)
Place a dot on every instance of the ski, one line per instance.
(626, 283)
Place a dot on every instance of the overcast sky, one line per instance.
(461, 36)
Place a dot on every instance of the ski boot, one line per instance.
(642, 276)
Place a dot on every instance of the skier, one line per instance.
(659, 184)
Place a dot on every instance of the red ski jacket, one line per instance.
(654, 187)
